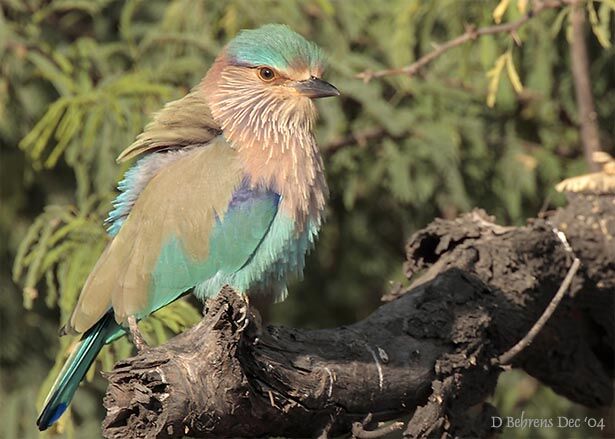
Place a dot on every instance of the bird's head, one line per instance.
(266, 78)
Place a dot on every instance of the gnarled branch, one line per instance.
(427, 353)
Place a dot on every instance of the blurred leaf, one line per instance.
(494, 78)
(556, 27)
(512, 73)
(601, 30)
(500, 10)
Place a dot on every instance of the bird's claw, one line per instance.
(135, 333)
(243, 319)
(244, 311)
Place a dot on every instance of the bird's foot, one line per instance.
(135, 333)
(244, 312)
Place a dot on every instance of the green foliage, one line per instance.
(517, 392)
(488, 124)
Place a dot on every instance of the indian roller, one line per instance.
(228, 188)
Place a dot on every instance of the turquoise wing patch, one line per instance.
(247, 221)
(234, 239)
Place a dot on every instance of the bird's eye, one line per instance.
(266, 74)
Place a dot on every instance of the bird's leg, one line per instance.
(244, 311)
(135, 333)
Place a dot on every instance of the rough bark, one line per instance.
(427, 353)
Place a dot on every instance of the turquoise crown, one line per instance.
(274, 45)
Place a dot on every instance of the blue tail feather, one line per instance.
(75, 368)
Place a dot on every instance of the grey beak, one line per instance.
(316, 88)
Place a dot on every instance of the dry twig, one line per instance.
(359, 431)
(507, 356)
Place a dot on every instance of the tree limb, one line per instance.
(427, 353)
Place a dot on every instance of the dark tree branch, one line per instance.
(427, 353)
(590, 135)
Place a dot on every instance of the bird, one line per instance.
(228, 189)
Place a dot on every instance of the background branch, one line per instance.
(470, 35)
(590, 135)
